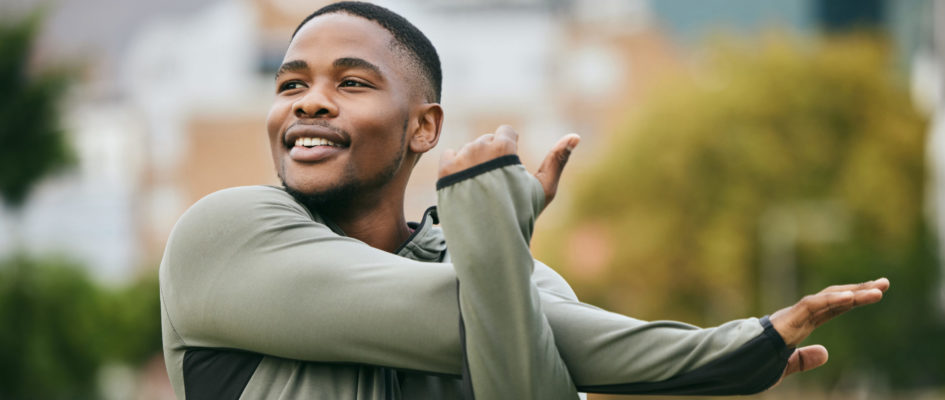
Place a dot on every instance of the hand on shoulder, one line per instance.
(505, 142)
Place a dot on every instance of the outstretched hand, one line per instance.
(796, 322)
(505, 142)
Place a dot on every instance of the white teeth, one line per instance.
(311, 142)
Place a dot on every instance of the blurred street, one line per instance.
(736, 155)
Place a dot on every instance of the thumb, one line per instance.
(805, 359)
(550, 170)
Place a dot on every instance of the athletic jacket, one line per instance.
(262, 299)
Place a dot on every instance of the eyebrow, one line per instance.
(292, 66)
(342, 63)
(356, 63)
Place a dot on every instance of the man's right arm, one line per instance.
(248, 268)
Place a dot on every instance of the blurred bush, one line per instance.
(59, 327)
(776, 169)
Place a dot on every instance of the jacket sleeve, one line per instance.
(248, 268)
(487, 214)
(611, 353)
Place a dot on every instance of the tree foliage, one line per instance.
(804, 162)
(59, 327)
(32, 143)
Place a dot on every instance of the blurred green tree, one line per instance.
(778, 169)
(32, 143)
(60, 327)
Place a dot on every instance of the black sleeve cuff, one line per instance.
(753, 367)
(773, 335)
(475, 170)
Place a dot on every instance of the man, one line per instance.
(321, 289)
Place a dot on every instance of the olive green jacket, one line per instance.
(263, 299)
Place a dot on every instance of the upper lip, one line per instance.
(301, 129)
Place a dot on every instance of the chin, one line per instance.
(322, 199)
(310, 187)
(309, 179)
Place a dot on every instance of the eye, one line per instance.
(291, 85)
(353, 83)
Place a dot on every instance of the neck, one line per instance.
(381, 225)
(375, 217)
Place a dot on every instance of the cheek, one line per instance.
(274, 125)
(385, 121)
(385, 134)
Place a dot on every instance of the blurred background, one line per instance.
(737, 155)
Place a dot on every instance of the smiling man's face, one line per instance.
(343, 100)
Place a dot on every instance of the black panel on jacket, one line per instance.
(217, 374)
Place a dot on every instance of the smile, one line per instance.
(308, 136)
(315, 141)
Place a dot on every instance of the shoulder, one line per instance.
(243, 204)
(243, 199)
(232, 212)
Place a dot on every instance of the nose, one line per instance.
(316, 103)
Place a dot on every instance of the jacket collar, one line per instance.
(427, 242)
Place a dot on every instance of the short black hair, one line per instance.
(405, 34)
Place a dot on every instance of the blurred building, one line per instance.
(175, 106)
(175, 93)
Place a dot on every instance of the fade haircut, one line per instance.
(405, 34)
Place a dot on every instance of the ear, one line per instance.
(426, 128)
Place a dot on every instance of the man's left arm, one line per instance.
(487, 210)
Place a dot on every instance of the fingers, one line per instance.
(825, 306)
(506, 132)
(838, 299)
(798, 321)
(549, 173)
(882, 284)
(486, 147)
(841, 302)
(503, 142)
(795, 323)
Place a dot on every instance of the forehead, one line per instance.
(336, 35)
